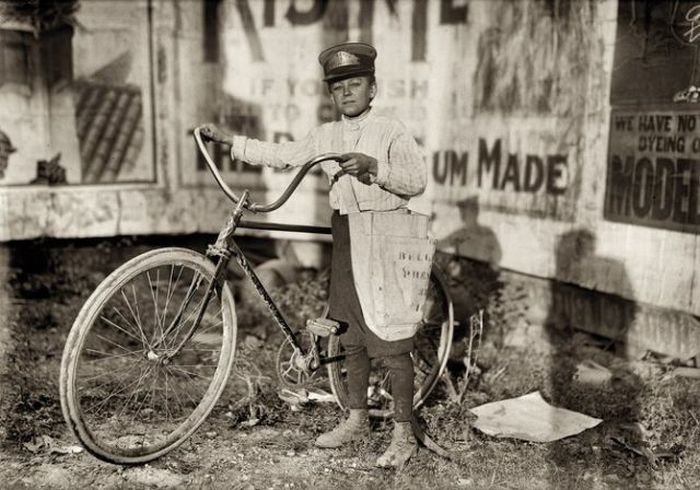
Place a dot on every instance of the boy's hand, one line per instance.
(210, 132)
(363, 167)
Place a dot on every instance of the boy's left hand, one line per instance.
(361, 166)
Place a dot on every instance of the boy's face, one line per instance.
(352, 95)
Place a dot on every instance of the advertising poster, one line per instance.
(653, 174)
(653, 163)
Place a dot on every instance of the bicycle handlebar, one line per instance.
(250, 205)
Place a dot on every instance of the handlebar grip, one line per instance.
(212, 166)
(250, 205)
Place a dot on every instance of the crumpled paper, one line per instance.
(530, 418)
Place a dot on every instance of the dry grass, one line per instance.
(665, 410)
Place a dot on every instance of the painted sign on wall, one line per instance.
(653, 176)
(521, 172)
(457, 85)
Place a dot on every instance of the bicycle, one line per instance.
(150, 352)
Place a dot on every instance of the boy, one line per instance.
(381, 169)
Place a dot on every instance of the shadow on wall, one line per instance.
(576, 303)
(473, 239)
(473, 275)
(574, 308)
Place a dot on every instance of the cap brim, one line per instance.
(343, 74)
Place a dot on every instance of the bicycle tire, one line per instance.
(438, 302)
(90, 368)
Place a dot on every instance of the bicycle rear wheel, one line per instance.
(430, 354)
(125, 394)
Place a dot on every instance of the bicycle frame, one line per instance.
(104, 360)
(225, 247)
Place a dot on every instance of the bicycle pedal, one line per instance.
(322, 327)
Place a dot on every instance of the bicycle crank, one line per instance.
(297, 368)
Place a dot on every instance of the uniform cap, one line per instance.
(347, 60)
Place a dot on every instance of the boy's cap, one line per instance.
(347, 60)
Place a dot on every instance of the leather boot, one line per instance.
(354, 428)
(403, 446)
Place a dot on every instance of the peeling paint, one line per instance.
(536, 59)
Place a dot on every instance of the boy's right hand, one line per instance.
(210, 132)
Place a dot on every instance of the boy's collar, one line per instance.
(359, 119)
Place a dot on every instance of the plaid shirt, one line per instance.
(400, 165)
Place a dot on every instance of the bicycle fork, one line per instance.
(224, 248)
(221, 249)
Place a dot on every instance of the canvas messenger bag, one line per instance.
(392, 254)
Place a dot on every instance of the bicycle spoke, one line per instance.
(165, 376)
(111, 373)
(127, 395)
(170, 292)
(185, 371)
(137, 411)
(196, 365)
(138, 324)
(135, 329)
(107, 356)
(178, 329)
(208, 328)
(154, 297)
(134, 394)
(196, 310)
(143, 400)
(110, 322)
(138, 313)
(113, 394)
(177, 396)
(118, 346)
(177, 320)
(194, 402)
(193, 349)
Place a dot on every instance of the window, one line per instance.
(15, 51)
(211, 30)
(57, 55)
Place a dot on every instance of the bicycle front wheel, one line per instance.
(430, 354)
(128, 394)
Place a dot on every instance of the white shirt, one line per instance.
(401, 170)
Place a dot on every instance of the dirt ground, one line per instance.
(648, 439)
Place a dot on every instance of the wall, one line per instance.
(531, 115)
